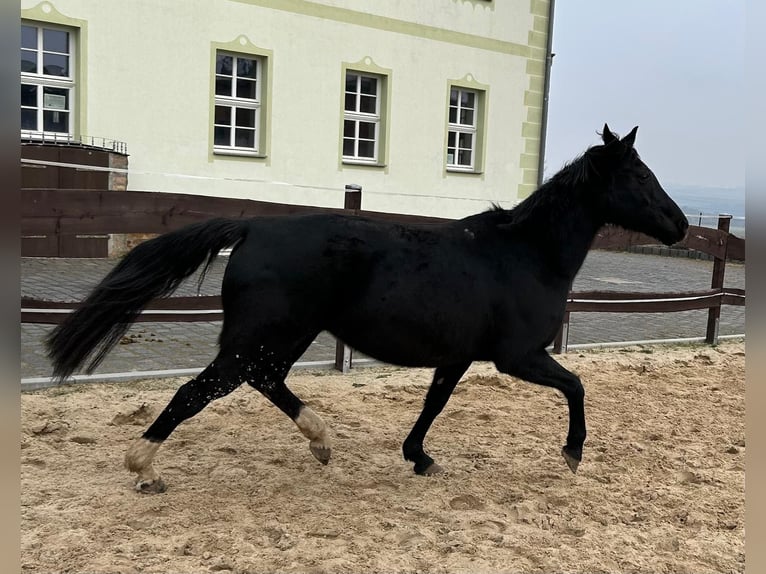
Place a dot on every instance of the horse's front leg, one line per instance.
(444, 382)
(540, 368)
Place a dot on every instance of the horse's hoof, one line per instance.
(572, 458)
(431, 470)
(321, 453)
(156, 486)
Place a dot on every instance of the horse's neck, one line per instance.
(563, 228)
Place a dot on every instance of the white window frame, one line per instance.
(457, 128)
(236, 103)
(356, 116)
(41, 80)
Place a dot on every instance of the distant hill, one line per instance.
(710, 202)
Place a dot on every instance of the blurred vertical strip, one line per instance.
(755, 192)
(10, 176)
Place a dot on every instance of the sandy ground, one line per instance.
(660, 489)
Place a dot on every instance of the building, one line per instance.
(434, 107)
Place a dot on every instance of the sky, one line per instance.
(675, 68)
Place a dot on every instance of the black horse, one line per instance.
(490, 287)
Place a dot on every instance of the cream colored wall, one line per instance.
(148, 84)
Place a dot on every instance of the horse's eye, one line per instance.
(643, 176)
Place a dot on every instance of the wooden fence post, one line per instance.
(719, 270)
(343, 354)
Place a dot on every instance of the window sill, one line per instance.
(362, 163)
(467, 171)
(238, 153)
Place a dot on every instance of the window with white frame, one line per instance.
(462, 130)
(362, 117)
(238, 103)
(47, 80)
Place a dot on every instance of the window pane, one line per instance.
(223, 115)
(223, 65)
(369, 85)
(29, 37)
(245, 117)
(55, 65)
(55, 121)
(452, 115)
(29, 61)
(246, 89)
(450, 157)
(244, 138)
(366, 149)
(222, 136)
(367, 104)
(29, 95)
(464, 157)
(349, 129)
(348, 147)
(451, 139)
(367, 130)
(350, 103)
(55, 41)
(466, 117)
(466, 99)
(246, 68)
(351, 82)
(222, 86)
(55, 98)
(453, 97)
(464, 141)
(29, 119)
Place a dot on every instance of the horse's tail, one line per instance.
(152, 269)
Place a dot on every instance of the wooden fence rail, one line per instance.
(59, 211)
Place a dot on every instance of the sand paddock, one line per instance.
(660, 489)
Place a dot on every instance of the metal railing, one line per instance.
(83, 140)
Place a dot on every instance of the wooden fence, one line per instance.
(59, 211)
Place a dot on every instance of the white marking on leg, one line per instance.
(139, 459)
(313, 428)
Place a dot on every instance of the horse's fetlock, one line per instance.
(141, 454)
(412, 450)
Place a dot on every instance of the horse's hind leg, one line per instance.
(444, 382)
(217, 380)
(267, 374)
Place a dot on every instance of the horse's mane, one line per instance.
(555, 195)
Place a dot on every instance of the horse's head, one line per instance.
(633, 198)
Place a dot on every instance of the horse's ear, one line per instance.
(630, 139)
(607, 136)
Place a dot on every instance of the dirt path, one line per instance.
(660, 489)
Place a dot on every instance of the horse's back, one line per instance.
(317, 262)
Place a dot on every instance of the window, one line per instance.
(362, 117)
(238, 103)
(47, 80)
(462, 130)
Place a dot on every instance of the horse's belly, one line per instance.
(408, 343)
